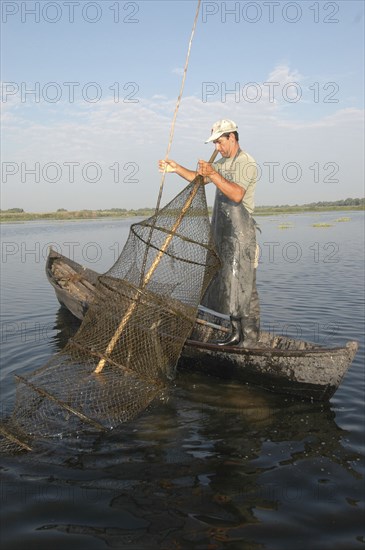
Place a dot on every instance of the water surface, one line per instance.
(214, 464)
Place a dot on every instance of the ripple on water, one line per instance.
(214, 463)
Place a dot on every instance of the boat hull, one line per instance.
(313, 375)
(278, 364)
(68, 296)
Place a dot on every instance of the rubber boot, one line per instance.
(235, 338)
(251, 333)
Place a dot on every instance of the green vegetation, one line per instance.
(322, 224)
(346, 204)
(15, 211)
(344, 219)
(285, 226)
(18, 214)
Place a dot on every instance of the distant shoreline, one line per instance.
(7, 216)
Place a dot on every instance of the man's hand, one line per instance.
(167, 166)
(205, 169)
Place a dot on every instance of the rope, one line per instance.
(182, 84)
(172, 130)
(178, 101)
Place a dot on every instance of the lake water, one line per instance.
(215, 464)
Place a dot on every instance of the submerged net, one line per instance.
(128, 345)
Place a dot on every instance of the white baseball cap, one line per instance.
(221, 127)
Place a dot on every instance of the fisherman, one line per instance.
(233, 289)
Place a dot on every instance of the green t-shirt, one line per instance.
(243, 171)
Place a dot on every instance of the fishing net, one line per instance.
(126, 349)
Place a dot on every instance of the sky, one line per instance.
(89, 91)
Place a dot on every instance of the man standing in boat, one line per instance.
(233, 290)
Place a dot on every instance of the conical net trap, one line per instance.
(129, 343)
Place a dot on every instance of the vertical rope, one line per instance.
(172, 130)
(183, 81)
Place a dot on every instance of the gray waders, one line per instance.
(233, 289)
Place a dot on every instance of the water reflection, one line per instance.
(213, 464)
(207, 466)
(194, 469)
(226, 415)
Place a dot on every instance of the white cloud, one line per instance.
(136, 134)
(178, 70)
(282, 74)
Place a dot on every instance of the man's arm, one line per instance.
(232, 190)
(170, 166)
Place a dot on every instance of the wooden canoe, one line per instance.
(279, 364)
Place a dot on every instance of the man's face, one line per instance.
(224, 145)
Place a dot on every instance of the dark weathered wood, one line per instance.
(279, 364)
(69, 279)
